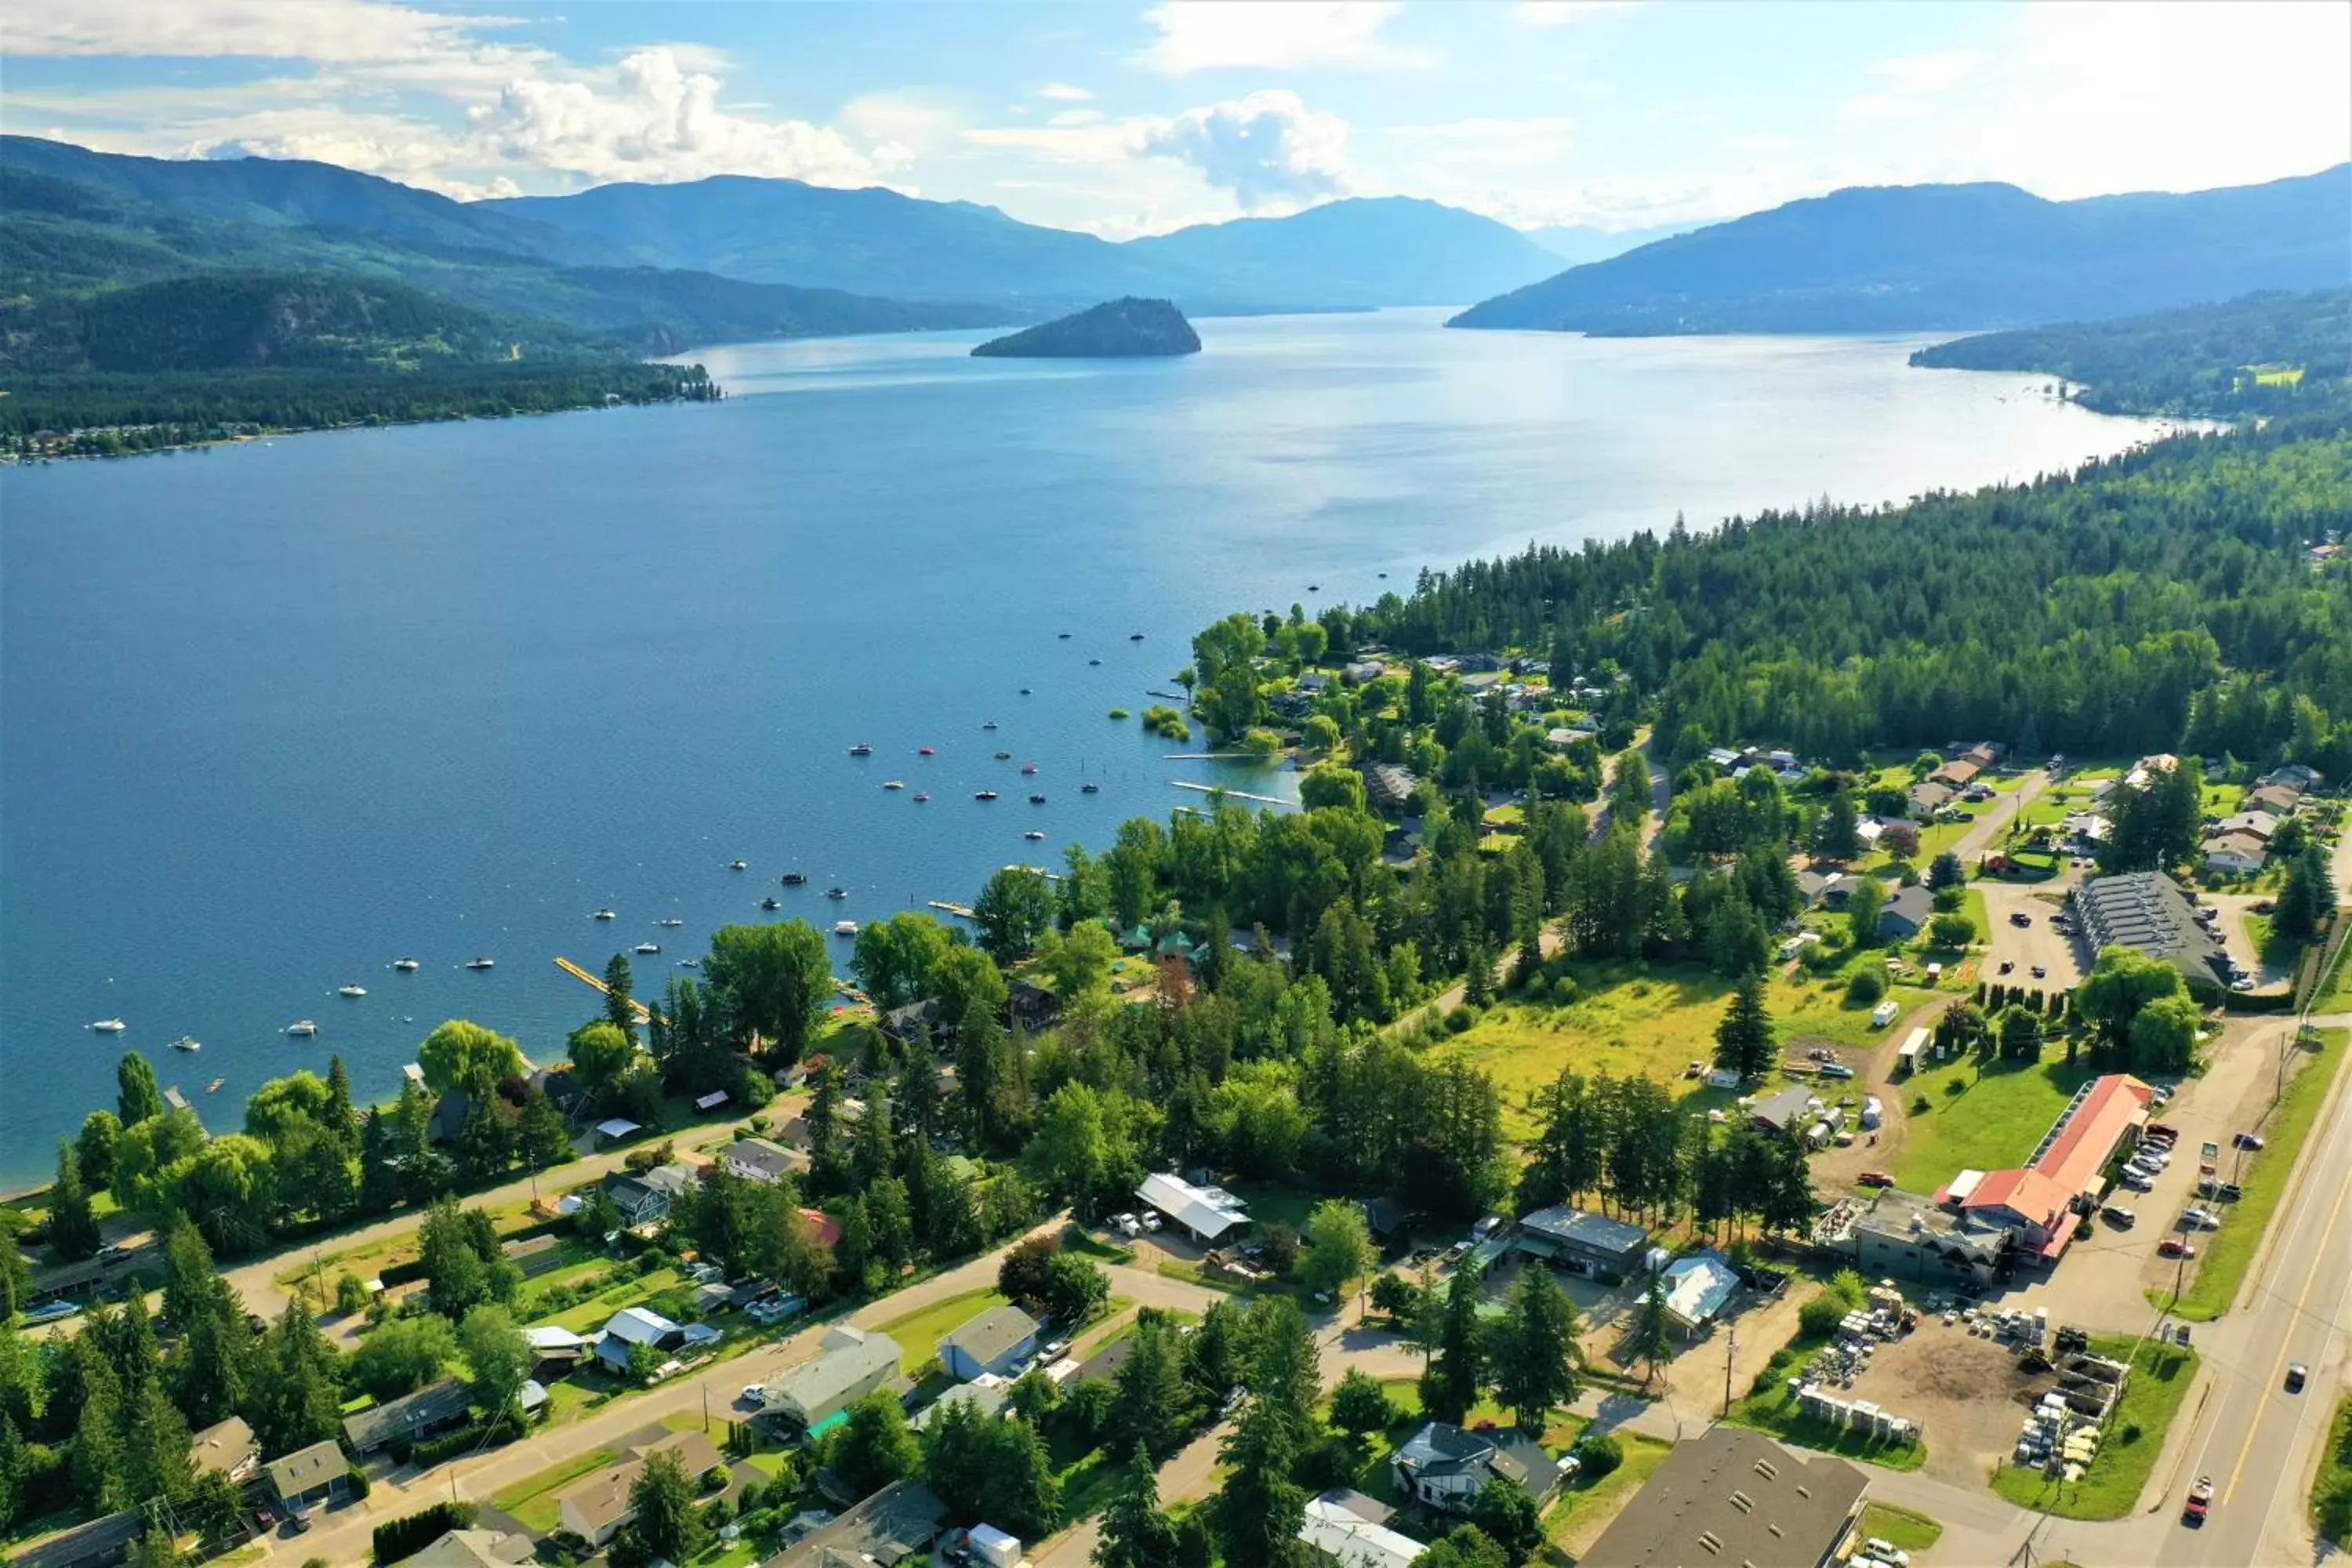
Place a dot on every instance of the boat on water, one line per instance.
(1033, 835)
(737, 866)
(187, 1043)
(604, 915)
(836, 892)
(925, 751)
(772, 903)
(1003, 756)
(481, 963)
(1027, 691)
(689, 963)
(671, 921)
(1094, 661)
(109, 1026)
(893, 784)
(1037, 800)
(1135, 637)
(794, 878)
(1028, 767)
(648, 947)
(213, 1087)
(301, 1028)
(984, 795)
(1091, 789)
(921, 796)
(352, 991)
(861, 750)
(1314, 587)
(845, 928)
(988, 724)
(1064, 636)
(405, 965)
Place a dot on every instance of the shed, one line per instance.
(1208, 1214)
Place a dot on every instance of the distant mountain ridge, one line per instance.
(1577, 244)
(1385, 250)
(1900, 259)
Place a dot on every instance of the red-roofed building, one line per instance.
(2024, 1201)
(2041, 1200)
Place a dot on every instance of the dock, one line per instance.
(1235, 793)
(645, 1014)
(960, 912)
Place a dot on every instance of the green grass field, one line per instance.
(532, 1499)
(2228, 1253)
(1899, 1526)
(1991, 1123)
(918, 1332)
(593, 1312)
(2331, 1488)
(2110, 1488)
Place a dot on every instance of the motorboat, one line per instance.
(893, 784)
(670, 921)
(921, 796)
(481, 963)
(213, 1087)
(794, 878)
(605, 915)
(925, 751)
(772, 903)
(836, 892)
(109, 1026)
(984, 795)
(845, 928)
(648, 948)
(1028, 767)
(737, 866)
(1037, 800)
(187, 1043)
(355, 992)
(1135, 637)
(301, 1028)
(1094, 661)
(1028, 691)
(1003, 756)
(1091, 789)
(1064, 636)
(1033, 835)
(405, 965)
(861, 750)
(689, 963)
(988, 724)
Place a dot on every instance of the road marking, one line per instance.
(2319, 1255)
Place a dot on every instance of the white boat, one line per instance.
(605, 915)
(648, 947)
(405, 965)
(187, 1043)
(481, 963)
(109, 1026)
(845, 928)
(671, 921)
(302, 1028)
(351, 990)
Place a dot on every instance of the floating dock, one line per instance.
(960, 912)
(1235, 793)
(645, 1014)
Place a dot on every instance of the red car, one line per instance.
(2201, 1502)
(1874, 1179)
(2164, 1130)
(2173, 1247)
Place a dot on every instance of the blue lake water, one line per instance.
(275, 715)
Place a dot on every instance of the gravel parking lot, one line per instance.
(2024, 947)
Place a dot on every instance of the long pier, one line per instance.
(645, 1014)
(1235, 793)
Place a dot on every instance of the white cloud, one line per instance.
(1560, 13)
(1269, 149)
(1217, 35)
(1063, 93)
(657, 123)
(1909, 86)
(327, 30)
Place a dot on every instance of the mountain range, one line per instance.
(1579, 244)
(1917, 258)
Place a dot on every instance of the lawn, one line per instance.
(1585, 1508)
(2331, 1488)
(920, 1331)
(1627, 1020)
(593, 1312)
(2110, 1488)
(1899, 1526)
(1985, 1122)
(533, 1500)
(2228, 1252)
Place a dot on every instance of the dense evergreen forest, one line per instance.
(2266, 353)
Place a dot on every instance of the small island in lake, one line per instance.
(1115, 329)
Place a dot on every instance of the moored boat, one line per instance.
(109, 1026)
(481, 963)
(845, 928)
(861, 750)
(647, 948)
(736, 865)
(772, 903)
(352, 991)
(605, 915)
(302, 1028)
(984, 795)
(405, 965)
(836, 892)
(187, 1043)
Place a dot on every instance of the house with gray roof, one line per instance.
(1444, 1466)
(435, 1407)
(762, 1160)
(1906, 913)
(1581, 1242)
(898, 1522)
(2147, 910)
(319, 1473)
(851, 1365)
(995, 1341)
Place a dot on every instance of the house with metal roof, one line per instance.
(852, 1363)
(1207, 1214)
(995, 1341)
(1787, 1111)
(634, 1326)
(435, 1407)
(1697, 1287)
(1581, 1242)
(1349, 1530)
(1731, 1496)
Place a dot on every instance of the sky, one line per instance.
(1128, 119)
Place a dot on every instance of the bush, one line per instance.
(1921, 1105)
(1599, 1454)
(1866, 984)
(1819, 1317)
(1259, 743)
(1954, 1086)
(1460, 1019)
(412, 1532)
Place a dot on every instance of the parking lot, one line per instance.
(2025, 947)
(1966, 1393)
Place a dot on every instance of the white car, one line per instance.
(1152, 1222)
(753, 1393)
(2202, 1218)
(1886, 1552)
(2138, 1182)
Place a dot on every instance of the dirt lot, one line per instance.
(1966, 1393)
(2025, 946)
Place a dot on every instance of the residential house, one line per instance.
(1788, 1111)
(1386, 1220)
(1581, 1243)
(1443, 1466)
(987, 1394)
(2261, 824)
(993, 1342)
(1957, 773)
(555, 1350)
(595, 1509)
(1388, 786)
(645, 1199)
(2235, 853)
(634, 1326)
(903, 1023)
(1207, 1214)
(1731, 1496)
(1906, 913)
(1362, 671)
(898, 1522)
(762, 1160)
(1930, 797)
(2294, 777)
(227, 1447)
(2276, 799)
(1349, 1530)
(850, 1364)
(475, 1549)
(309, 1476)
(1698, 1287)
(435, 1407)
(535, 1255)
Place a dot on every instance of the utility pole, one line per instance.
(1730, 1346)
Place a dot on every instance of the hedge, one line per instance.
(413, 1532)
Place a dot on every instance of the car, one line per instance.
(2039, 971)
(2119, 1217)
(2006, 966)
(2242, 984)
(2201, 1502)
(300, 1520)
(2230, 1192)
(2019, 918)
(753, 1393)
(2174, 1246)
(1887, 1551)
(2201, 1218)
(2138, 1181)
(1152, 1222)
(1874, 1179)
(2248, 1140)
(2162, 1130)
(114, 1254)
(2295, 1374)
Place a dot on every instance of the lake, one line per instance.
(277, 715)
